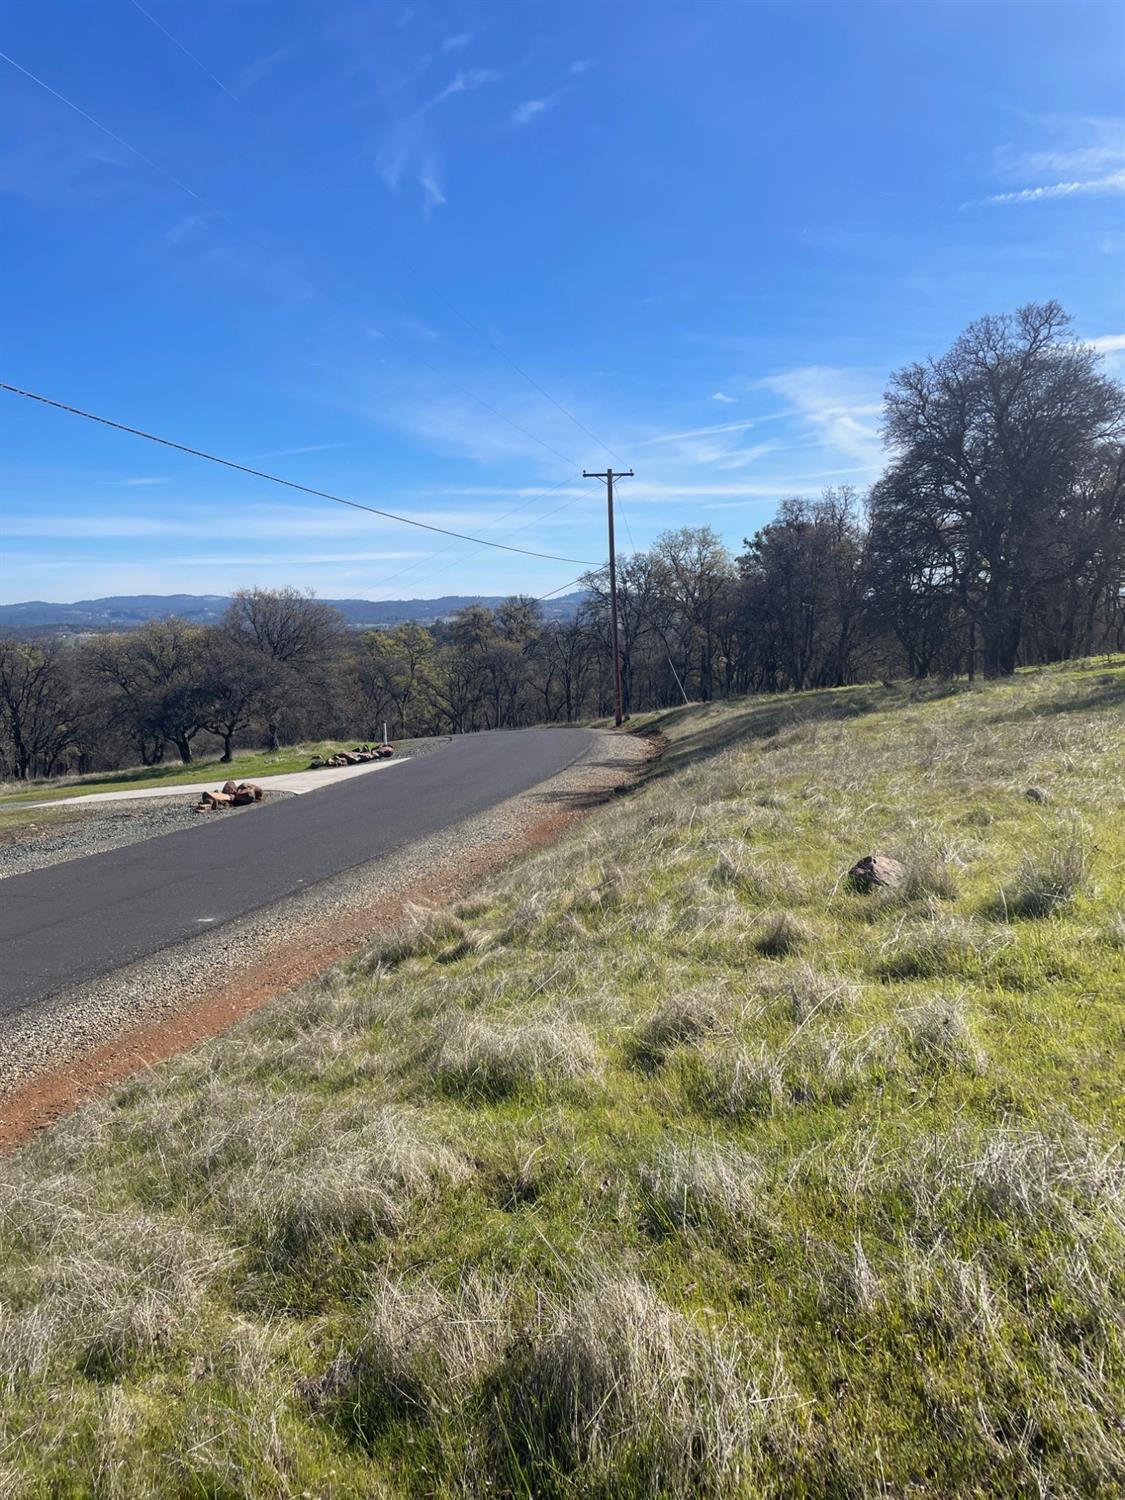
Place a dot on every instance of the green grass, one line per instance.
(595, 1188)
(246, 765)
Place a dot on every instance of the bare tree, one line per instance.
(296, 635)
(37, 709)
(993, 440)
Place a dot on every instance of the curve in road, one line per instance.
(73, 922)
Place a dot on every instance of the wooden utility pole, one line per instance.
(609, 476)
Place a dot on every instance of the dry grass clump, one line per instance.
(605, 1392)
(604, 893)
(417, 1358)
(357, 1184)
(474, 1059)
(1049, 880)
(930, 874)
(421, 930)
(1061, 1179)
(804, 991)
(735, 1081)
(939, 1038)
(619, 1395)
(937, 945)
(755, 879)
(681, 1020)
(116, 1293)
(704, 1185)
(781, 934)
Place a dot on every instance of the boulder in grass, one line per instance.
(384, 752)
(876, 872)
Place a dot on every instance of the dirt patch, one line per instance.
(65, 1063)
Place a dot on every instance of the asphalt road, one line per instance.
(73, 922)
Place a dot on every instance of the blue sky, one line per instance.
(326, 239)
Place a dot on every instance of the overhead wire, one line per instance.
(536, 385)
(421, 562)
(292, 484)
(533, 522)
(105, 130)
(203, 68)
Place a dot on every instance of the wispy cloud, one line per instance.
(722, 396)
(146, 479)
(457, 41)
(527, 111)
(1084, 157)
(836, 405)
(432, 190)
(1107, 343)
(464, 82)
(412, 146)
(582, 65)
(1113, 182)
(306, 448)
(719, 427)
(255, 71)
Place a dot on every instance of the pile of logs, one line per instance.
(355, 757)
(239, 794)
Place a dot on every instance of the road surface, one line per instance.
(73, 922)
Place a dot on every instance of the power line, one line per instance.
(544, 597)
(105, 130)
(534, 522)
(422, 561)
(203, 68)
(229, 463)
(482, 333)
(504, 355)
(464, 389)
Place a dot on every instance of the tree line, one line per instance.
(994, 538)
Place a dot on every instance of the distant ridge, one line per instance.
(125, 611)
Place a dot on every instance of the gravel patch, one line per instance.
(54, 839)
(352, 905)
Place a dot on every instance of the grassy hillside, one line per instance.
(669, 1166)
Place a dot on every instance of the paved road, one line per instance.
(75, 921)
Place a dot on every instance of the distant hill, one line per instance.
(124, 611)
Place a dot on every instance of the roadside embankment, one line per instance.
(88, 1037)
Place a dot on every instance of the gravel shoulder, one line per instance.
(53, 838)
(89, 1037)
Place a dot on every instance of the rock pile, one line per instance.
(239, 794)
(355, 757)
